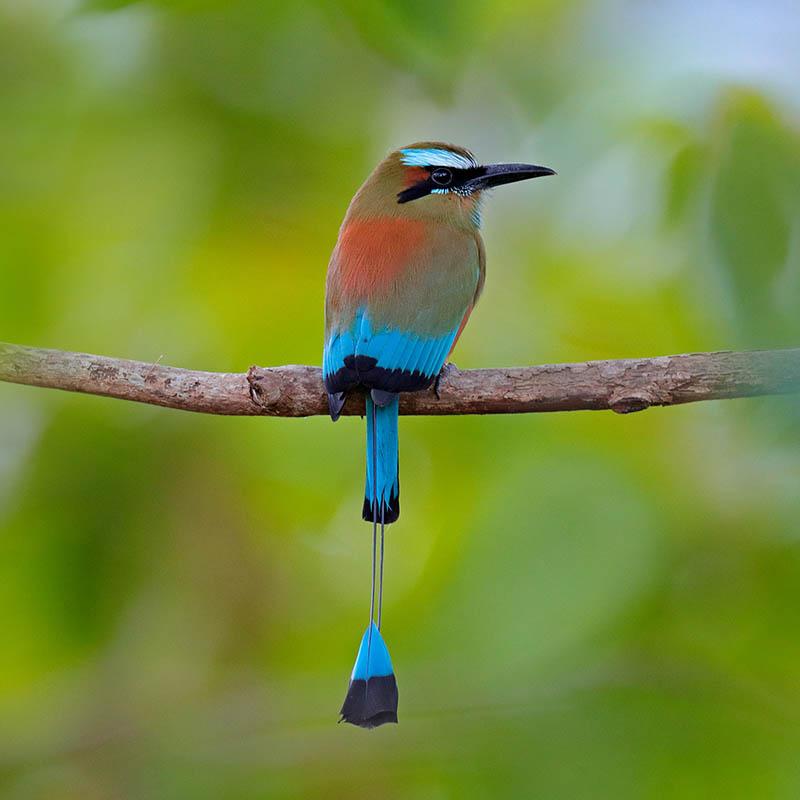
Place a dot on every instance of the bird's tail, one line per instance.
(382, 494)
(372, 694)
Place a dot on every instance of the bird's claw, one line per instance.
(447, 369)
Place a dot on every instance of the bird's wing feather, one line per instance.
(389, 359)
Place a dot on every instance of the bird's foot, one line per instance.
(447, 369)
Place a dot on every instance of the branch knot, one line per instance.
(264, 393)
(627, 402)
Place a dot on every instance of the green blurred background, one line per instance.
(578, 605)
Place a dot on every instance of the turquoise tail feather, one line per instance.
(382, 459)
(372, 694)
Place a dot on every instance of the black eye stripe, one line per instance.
(457, 177)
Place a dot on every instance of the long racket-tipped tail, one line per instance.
(372, 694)
(382, 459)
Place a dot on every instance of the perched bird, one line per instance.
(406, 272)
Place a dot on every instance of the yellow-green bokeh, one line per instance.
(577, 605)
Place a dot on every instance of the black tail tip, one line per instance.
(390, 513)
(371, 703)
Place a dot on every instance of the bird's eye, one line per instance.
(442, 176)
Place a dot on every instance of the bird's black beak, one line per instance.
(498, 174)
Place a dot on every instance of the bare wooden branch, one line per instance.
(297, 391)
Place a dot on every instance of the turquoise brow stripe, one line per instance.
(435, 157)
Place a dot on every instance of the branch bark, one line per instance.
(297, 391)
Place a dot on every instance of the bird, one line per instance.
(406, 272)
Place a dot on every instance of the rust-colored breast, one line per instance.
(372, 253)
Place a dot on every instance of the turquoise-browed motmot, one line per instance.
(405, 274)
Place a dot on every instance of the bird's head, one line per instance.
(435, 181)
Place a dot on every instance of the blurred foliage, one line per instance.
(578, 605)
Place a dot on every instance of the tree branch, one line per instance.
(297, 391)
